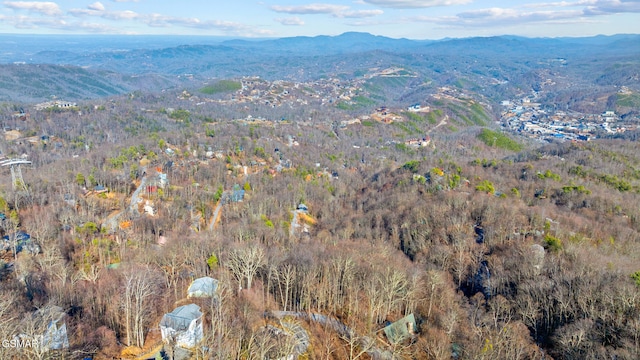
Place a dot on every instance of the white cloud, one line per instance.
(97, 6)
(97, 9)
(30, 23)
(291, 21)
(228, 27)
(165, 21)
(338, 11)
(498, 17)
(594, 6)
(502, 16)
(310, 9)
(560, 4)
(613, 7)
(45, 7)
(414, 4)
(360, 14)
(121, 15)
(26, 22)
(89, 11)
(582, 11)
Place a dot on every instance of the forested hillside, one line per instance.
(583, 69)
(349, 197)
(319, 235)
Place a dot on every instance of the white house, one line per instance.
(182, 326)
(202, 287)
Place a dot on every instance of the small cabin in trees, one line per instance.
(202, 287)
(183, 326)
(237, 195)
(401, 329)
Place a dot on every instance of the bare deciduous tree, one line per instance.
(245, 262)
(139, 288)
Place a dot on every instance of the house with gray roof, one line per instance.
(202, 287)
(183, 326)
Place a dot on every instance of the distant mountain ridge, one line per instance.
(350, 42)
(103, 54)
(505, 59)
(236, 57)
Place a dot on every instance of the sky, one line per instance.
(413, 19)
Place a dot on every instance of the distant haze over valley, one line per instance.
(174, 61)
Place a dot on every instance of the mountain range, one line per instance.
(163, 61)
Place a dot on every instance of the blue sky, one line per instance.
(415, 19)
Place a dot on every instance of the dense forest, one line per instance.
(522, 251)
